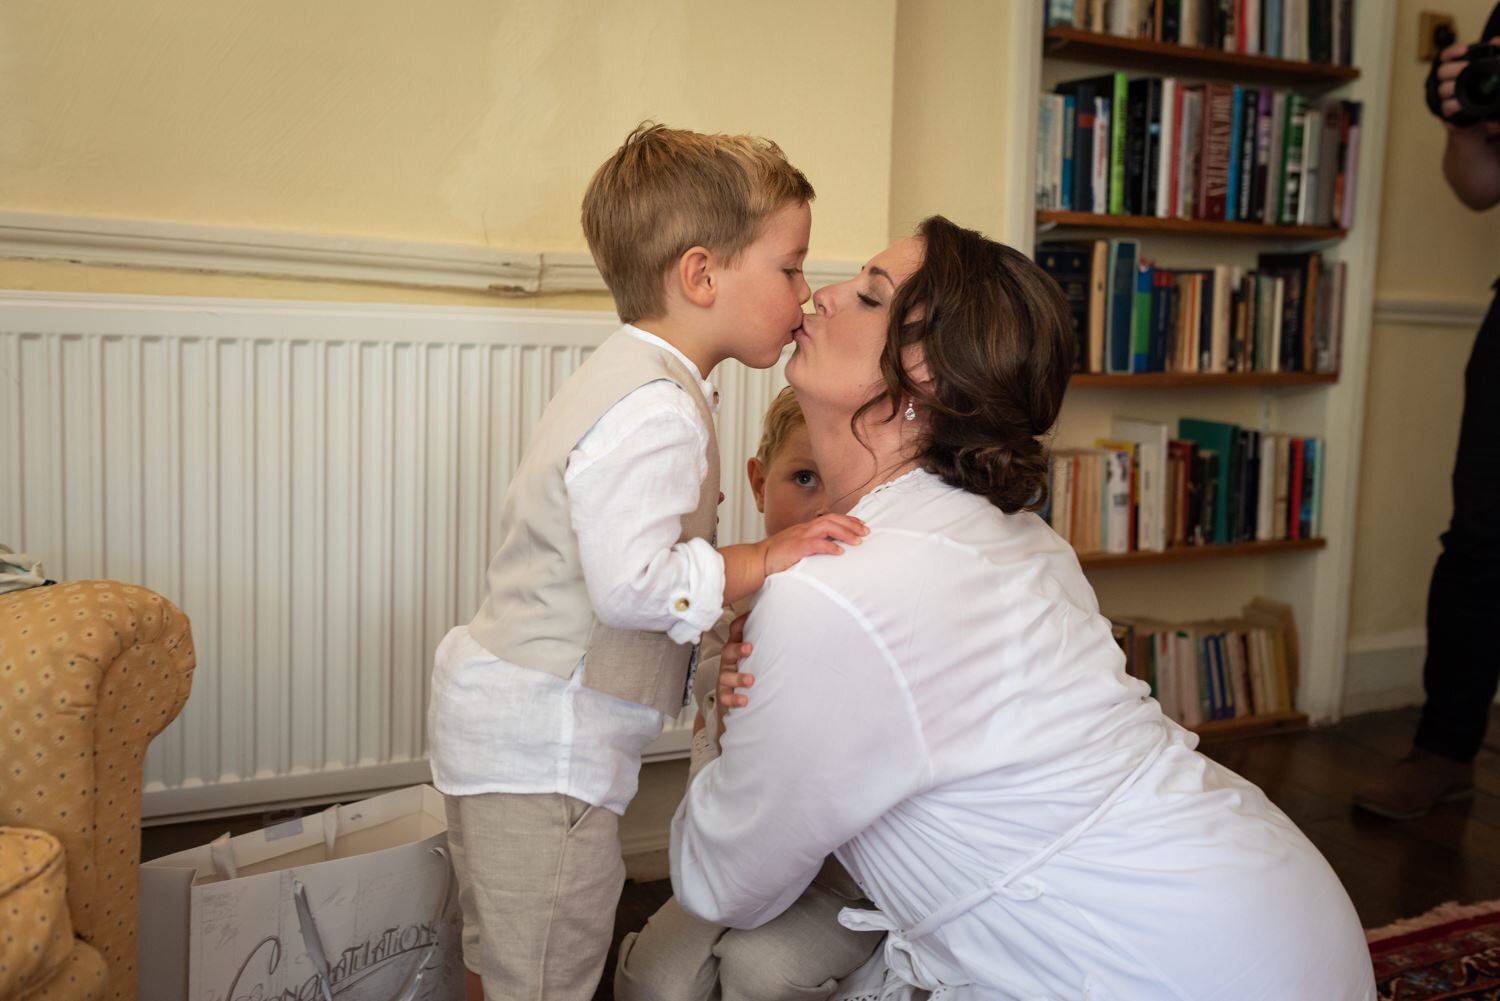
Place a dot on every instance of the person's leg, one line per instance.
(474, 986)
(671, 959)
(802, 953)
(1462, 668)
(541, 877)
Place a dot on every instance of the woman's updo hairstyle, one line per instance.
(997, 339)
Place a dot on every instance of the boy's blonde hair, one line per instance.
(668, 190)
(783, 416)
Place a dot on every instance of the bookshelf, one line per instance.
(1199, 227)
(948, 48)
(1195, 554)
(1166, 380)
(1080, 45)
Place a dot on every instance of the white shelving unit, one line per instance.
(938, 142)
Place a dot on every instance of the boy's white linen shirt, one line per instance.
(497, 727)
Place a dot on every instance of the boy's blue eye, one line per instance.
(804, 478)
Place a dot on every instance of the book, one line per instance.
(1274, 164)
(1165, 161)
(1265, 503)
(1082, 93)
(1312, 146)
(1137, 128)
(1222, 439)
(1236, 135)
(1103, 129)
(1190, 145)
(1065, 180)
(1068, 263)
(1217, 141)
(1118, 460)
(1120, 296)
(1151, 440)
(1140, 337)
(1294, 490)
(1245, 169)
(1291, 169)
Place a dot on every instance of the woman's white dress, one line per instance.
(944, 708)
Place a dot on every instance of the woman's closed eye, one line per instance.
(869, 300)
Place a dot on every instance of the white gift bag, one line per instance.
(358, 903)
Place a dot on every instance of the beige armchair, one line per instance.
(89, 673)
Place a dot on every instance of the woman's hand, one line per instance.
(730, 677)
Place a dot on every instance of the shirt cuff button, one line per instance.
(682, 604)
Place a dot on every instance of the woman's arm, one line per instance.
(829, 743)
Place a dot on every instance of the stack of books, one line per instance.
(1130, 315)
(1155, 146)
(1216, 670)
(1145, 490)
(1320, 31)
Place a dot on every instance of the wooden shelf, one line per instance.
(1197, 227)
(1194, 554)
(1167, 57)
(1216, 730)
(1202, 380)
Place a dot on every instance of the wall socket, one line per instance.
(1427, 22)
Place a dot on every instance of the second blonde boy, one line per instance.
(607, 572)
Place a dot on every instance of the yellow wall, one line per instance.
(470, 122)
(1431, 248)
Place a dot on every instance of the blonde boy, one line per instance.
(800, 954)
(607, 573)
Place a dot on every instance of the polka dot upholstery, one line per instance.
(90, 671)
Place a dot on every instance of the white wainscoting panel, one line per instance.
(317, 485)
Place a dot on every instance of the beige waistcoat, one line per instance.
(536, 611)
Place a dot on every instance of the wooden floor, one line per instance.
(1391, 869)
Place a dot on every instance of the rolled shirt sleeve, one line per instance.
(829, 742)
(630, 482)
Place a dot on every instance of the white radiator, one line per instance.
(316, 485)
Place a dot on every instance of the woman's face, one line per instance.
(837, 361)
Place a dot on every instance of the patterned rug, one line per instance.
(1451, 953)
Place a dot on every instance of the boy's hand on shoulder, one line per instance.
(821, 535)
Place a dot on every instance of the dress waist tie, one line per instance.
(903, 959)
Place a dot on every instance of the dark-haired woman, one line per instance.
(945, 710)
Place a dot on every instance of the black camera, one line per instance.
(1477, 86)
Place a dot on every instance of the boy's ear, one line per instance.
(757, 474)
(695, 276)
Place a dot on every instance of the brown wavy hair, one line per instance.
(998, 343)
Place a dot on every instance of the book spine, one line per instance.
(1120, 109)
(1218, 120)
(1237, 125)
(1153, 148)
(1069, 128)
(1136, 125)
(1145, 281)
